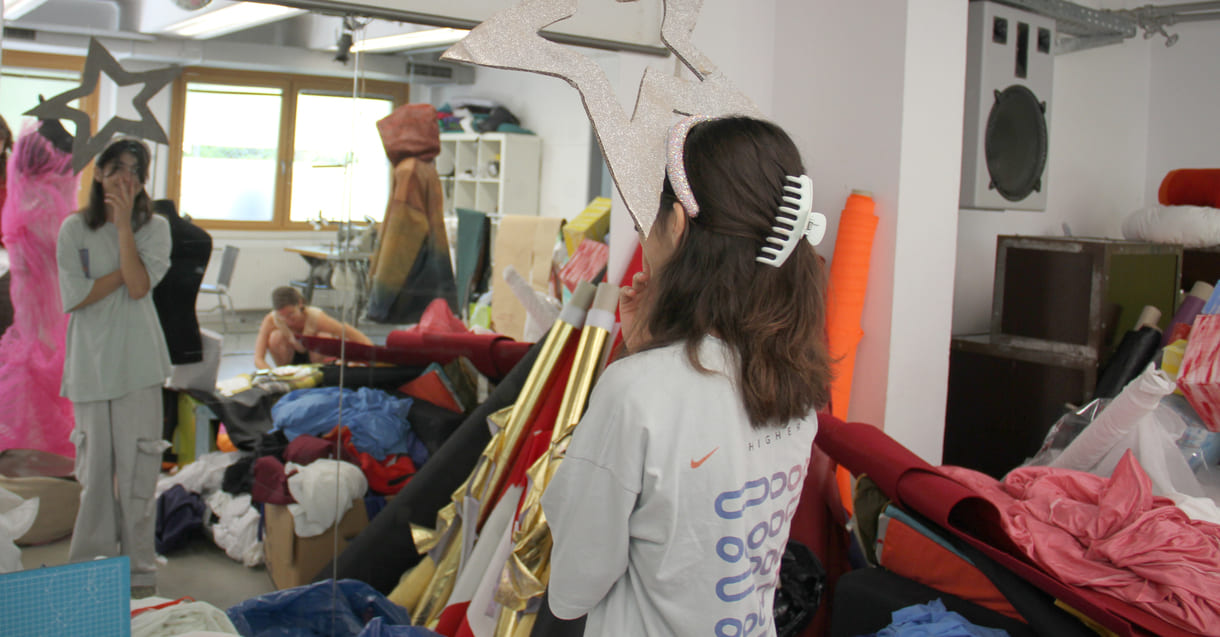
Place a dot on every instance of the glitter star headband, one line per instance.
(675, 162)
(634, 147)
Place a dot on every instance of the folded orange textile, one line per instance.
(1190, 187)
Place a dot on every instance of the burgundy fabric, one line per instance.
(270, 482)
(492, 354)
(304, 449)
(1111, 534)
(916, 485)
(819, 524)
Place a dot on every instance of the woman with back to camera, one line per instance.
(671, 510)
(110, 256)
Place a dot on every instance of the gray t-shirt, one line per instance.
(670, 514)
(114, 346)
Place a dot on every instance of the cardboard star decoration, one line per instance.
(86, 146)
(634, 147)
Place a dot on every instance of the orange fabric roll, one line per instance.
(1191, 187)
(848, 283)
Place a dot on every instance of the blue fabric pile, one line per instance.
(933, 620)
(378, 421)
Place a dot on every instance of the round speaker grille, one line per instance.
(1015, 143)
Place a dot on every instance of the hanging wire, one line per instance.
(354, 26)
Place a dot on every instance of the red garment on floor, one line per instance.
(385, 477)
(1112, 535)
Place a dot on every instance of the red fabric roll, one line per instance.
(494, 355)
(1191, 187)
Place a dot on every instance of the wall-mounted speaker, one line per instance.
(1009, 74)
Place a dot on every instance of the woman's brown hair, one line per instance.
(95, 211)
(5, 147)
(772, 318)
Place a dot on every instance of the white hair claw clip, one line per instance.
(796, 220)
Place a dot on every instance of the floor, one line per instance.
(201, 570)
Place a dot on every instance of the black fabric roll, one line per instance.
(432, 424)
(385, 549)
(1132, 356)
(387, 378)
(866, 597)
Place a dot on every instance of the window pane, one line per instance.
(327, 128)
(229, 150)
(22, 88)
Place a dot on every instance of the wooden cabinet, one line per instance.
(1060, 307)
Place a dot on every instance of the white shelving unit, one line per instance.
(496, 173)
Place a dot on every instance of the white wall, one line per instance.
(872, 92)
(839, 69)
(1096, 170)
(1185, 92)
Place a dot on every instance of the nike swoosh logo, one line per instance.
(695, 464)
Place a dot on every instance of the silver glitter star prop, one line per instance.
(634, 147)
(85, 146)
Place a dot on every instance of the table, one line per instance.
(323, 260)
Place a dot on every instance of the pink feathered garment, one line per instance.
(1111, 535)
(41, 194)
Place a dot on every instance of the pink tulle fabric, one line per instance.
(41, 194)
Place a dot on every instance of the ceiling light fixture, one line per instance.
(234, 17)
(14, 9)
(411, 40)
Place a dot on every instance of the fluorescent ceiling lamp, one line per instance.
(411, 40)
(14, 9)
(235, 17)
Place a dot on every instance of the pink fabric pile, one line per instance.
(41, 194)
(1112, 535)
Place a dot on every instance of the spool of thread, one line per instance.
(1134, 353)
(1179, 325)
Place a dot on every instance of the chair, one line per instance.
(228, 260)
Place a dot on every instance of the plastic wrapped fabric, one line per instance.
(41, 194)
(1151, 423)
(313, 610)
(1137, 400)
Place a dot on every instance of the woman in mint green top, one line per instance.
(110, 256)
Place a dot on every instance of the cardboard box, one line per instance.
(293, 561)
(527, 244)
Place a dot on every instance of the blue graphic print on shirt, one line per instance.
(768, 502)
